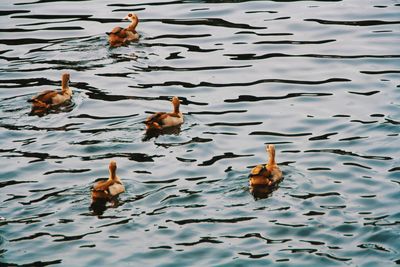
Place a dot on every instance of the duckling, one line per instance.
(266, 175)
(161, 120)
(51, 98)
(121, 36)
(107, 189)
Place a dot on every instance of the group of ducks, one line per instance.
(262, 178)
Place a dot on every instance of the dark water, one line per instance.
(319, 79)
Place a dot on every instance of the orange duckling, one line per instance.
(51, 98)
(161, 120)
(107, 189)
(266, 175)
(121, 36)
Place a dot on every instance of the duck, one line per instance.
(266, 174)
(122, 36)
(162, 120)
(108, 189)
(51, 98)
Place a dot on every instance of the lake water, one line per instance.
(319, 79)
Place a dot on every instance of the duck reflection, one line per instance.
(100, 205)
(67, 106)
(154, 133)
(261, 191)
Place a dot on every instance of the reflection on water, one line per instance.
(319, 79)
(154, 133)
(260, 192)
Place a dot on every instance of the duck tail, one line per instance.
(39, 104)
(152, 125)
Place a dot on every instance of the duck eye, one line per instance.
(130, 15)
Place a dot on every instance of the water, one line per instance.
(319, 79)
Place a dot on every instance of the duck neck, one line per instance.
(113, 175)
(132, 26)
(65, 86)
(271, 161)
(176, 109)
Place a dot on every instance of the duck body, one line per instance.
(122, 36)
(161, 120)
(266, 174)
(117, 37)
(261, 175)
(132, 36)
(51, 98)
(107, 189)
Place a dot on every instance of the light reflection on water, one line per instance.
(317, 79)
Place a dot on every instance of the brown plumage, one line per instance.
(52, 98)
(266, 175)
(107, 189)
(161, 120)
(121, 36)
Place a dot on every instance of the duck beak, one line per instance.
(127, 18)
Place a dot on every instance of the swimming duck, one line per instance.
(121, 36)
(266, 175)
(50, 98)
(161, 120)
(107, 189)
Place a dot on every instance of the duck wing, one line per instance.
(256, 170)
(260, 170)
(45, 97)
(156, 118)
(276, 175)
(118, 31)
(103, 185)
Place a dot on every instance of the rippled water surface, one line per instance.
(319, 79)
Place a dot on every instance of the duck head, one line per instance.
(133, 18)
(260, 191)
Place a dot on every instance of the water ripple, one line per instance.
(318, 79)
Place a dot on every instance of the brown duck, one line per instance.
(161, 120)
(266, 174)
(107, 189)
(51, 98)
(121, 36)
